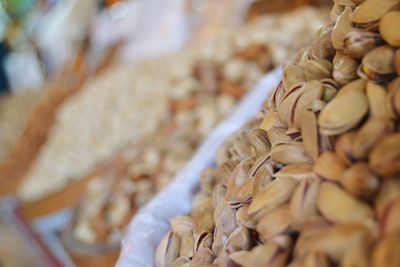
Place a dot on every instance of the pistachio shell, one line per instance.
(393, 99)
(238, 178)
(397, 61)
(274, 223)
(356, 257)
(386, 252)
(343, 147)
(337, 240)
(270, 120)
(270, 255)
(296, 171)
(341, 207)
(202, 257)
(390, 223)
(384, 158)
(341, 28)
(368, 135)
(344, 69)
(309, 134)
(376, 96)
(292, 75)
(388, 28)
(329, 166)
(291, 153)
(388, 192)
(167, 250)
(372, 10)
(318, 69)
(287, 107)
(303, 203)
(258, 139)
(203, 217)
(278, 136)
(313, 90)
(316, 259)
(238, 240)
(181, 262)
(360, 181)
(187, 244)
(379, 60)
(322, 47)
(357, 43)
(276, 193)
(345, 111)
(181, 224)
(226, 224)
(243, 218)
(202, 240)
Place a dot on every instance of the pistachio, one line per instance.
(276, 193)
(202, 240)
(388, 192)
(343, 147)
(337, 240)
(372, 10)
(378, 64)
(318, 69)
(225, 226)
(181, 224)
(384, 158)
(303, 203)
(274, 223)
(388, 29)
(286, 109)
(345, 111)
(329, 166)
(238, 240)
(296, 171)
(258, 138)
(393, 98)
(357, 43)
(341, 28)
(377, 95)
(322, 47)
(203, 217)
(238, 178)
(291, 153)
(368, 135)
(270, 120)
(316, 259)
(243, 218)
(187, 244)
(331, 88)
(386, 252)
(344, 69)
(278, 136)
(336, 11)
(269, 254)
(356, 256)
(202, 257)
(167, 250)
(397, 61)
(292, 75)
(339, 206)
(181, 262)
(360, 181)
(390, 223)
(313, 90)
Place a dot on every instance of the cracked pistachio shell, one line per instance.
(226, 224)
(202, 240)
(344, 69)
(368, 135)
(238, 178)
(338, 206)
(291, 153)
(337, 240)
(292, 75)
(276, 98)
(187, 244)
(277, 135)
(388, 192)
(388, 28)
(286, 109)
(270, 120)
(275, 194)
(360, 181)
(239, 239)
(331, 88)
(309, 134)
(318, 69)
(274, 223)
(303, 203)
(386, 252)
(181, 224)
(167, 250)
(322, 47)
(341, 28)
(345, 111)
(262, 176)
(329, 166)
(372, 10)
(384, 158)
(358, 43)
(376, 96)
(258, 139)
(313, 91)
(296, 171)
(390, 223)
(202, 257)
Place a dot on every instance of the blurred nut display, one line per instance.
(315, 182)
(205, 91)
(109, 111)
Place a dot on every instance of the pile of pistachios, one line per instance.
(316, 181)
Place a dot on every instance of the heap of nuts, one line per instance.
(316, 182)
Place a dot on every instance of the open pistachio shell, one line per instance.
(313, 91)
(167, 250)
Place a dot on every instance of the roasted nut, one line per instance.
(360, 181)
(329, 166)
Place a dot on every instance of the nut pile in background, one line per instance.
(203, 92)
(127, 103)
(317, 181)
